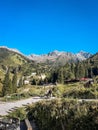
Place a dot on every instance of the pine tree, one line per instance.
(91, 72)
(54, 77)
(20, 84)
(10, 87)
(72, 68)
(14, 83)
(7, 85)
(77, 71)
(81, 70)
(86, 72)
(61, 76)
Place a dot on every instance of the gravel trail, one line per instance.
(5, 107)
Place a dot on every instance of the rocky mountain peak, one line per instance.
(83, 55)
(55, 53)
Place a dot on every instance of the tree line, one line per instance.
(10, 84)
(73, 71)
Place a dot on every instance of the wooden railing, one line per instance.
(28, 125)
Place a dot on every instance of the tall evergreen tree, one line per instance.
(86, 72)
(81, 70)
(77, 71)
(20, 84)
(54, 77)
(72, 68)
(61, 76)
(14, 83)
(91, 72)
(7, 85)
(10, 87)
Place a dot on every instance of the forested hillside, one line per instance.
(75, 71)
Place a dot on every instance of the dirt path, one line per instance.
(5, 107)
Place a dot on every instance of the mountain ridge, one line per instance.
(54, 57)
(54, 51)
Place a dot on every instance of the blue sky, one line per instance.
(41, 26)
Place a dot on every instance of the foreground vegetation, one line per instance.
(61, 114)
(65, 112)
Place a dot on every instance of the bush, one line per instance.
(64, 115)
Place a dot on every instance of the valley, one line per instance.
(62, 83)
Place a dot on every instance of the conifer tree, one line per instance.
(7, 85)
(14, 83)
(10, 87)
(81, 70)
(54, 77)
(77, 71)
(86, 72)
(91, 72)
(61, 76)
(20, 84)
(72, 68)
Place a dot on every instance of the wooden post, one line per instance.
(28, 125)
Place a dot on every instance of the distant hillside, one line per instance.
(14, 60)
(91, 66)
(94, 57)
(92, 61)
(11, 57)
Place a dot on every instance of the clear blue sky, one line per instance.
(41, 26)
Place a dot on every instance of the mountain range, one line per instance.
(60, 56)
(55, 58)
